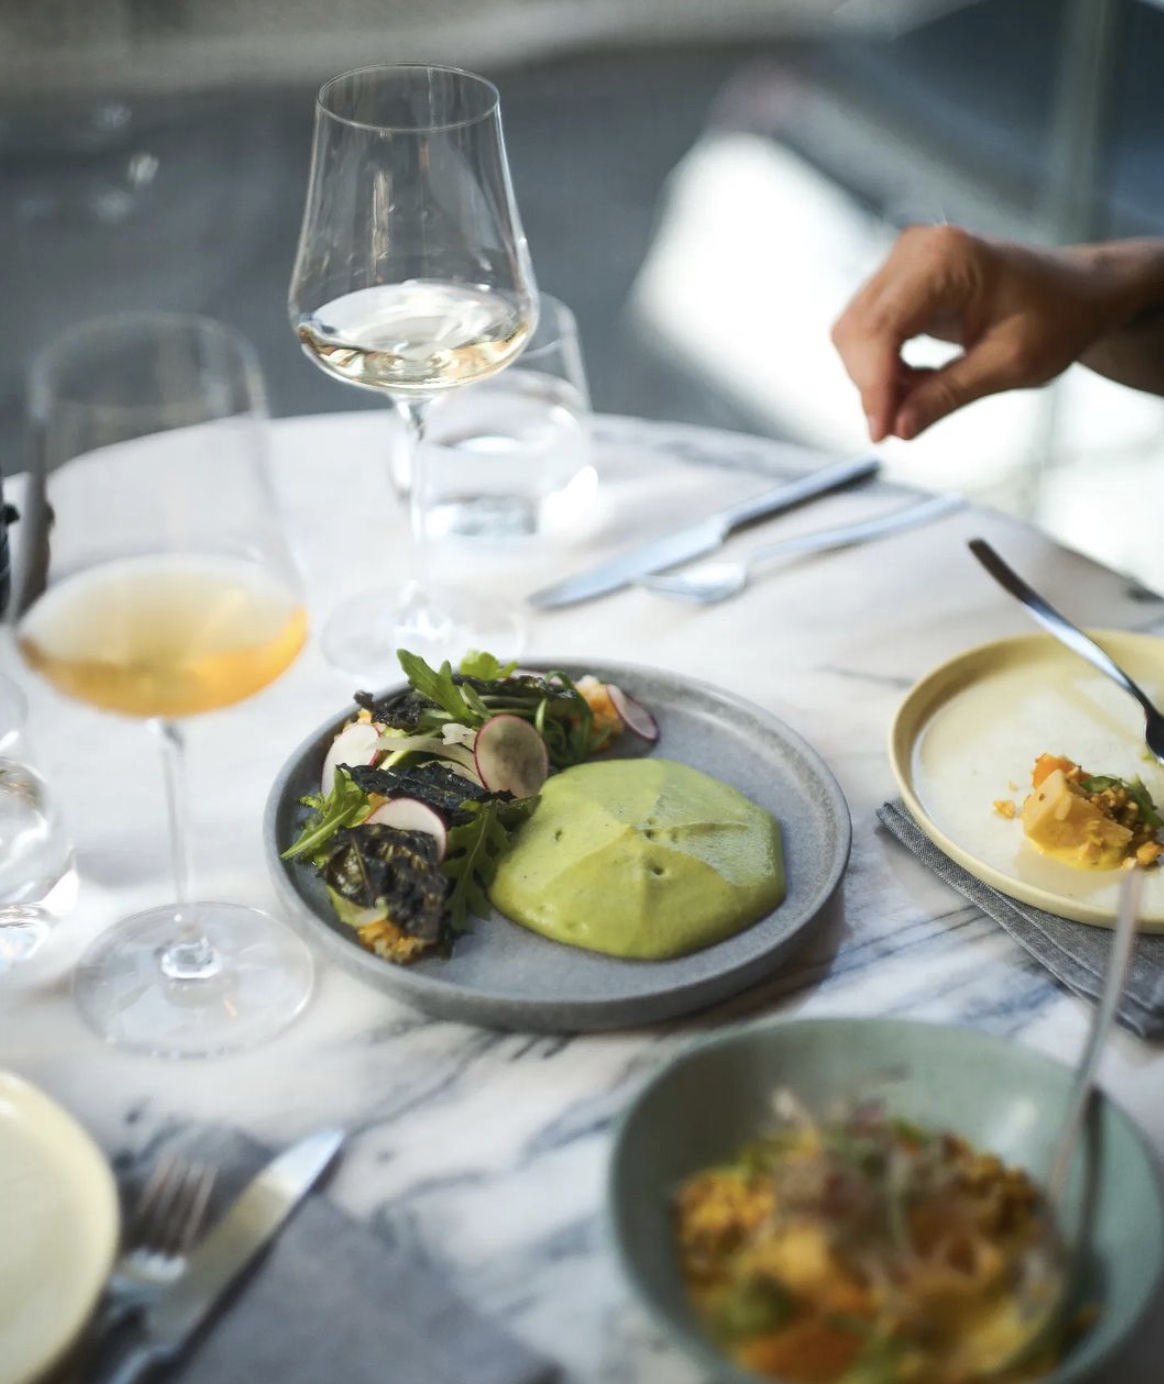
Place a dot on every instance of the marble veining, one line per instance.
(485, 1152)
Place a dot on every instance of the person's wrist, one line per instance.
(1123, 281)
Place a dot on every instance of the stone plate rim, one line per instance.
(483, 983)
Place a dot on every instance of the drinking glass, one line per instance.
(38, 877)
(511, 456)
(412, 278)
(153, 580)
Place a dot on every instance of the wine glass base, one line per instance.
(263, 979)
(23, 927)
(363, 634)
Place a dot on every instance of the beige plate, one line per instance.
(968, 735)
(58, 1230)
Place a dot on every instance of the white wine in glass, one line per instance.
(154, 581)
(412, 277)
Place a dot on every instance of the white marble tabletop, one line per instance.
(487, 1150)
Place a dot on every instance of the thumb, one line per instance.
(989, 367)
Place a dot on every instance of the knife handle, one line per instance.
(133, 1362)
(794, 492)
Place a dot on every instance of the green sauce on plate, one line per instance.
(641, 858)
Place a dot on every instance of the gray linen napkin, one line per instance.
(1073, 952)
(332, 1300)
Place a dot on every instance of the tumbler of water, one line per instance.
(511, 455)
(38, 879)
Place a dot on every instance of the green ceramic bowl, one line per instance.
(1002, 1097)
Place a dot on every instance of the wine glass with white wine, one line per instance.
(412, 278)
(154, 581)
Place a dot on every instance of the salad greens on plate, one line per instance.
(422, 789)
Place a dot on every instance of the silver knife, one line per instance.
(697, 539)
(230, 1247)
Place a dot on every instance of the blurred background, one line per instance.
(705, 184)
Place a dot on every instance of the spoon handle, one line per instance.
(821, 540)
(1056, 624)
(1122, 944)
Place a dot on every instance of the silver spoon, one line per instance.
(1074, 638)
(1048, 1271)
(711, 582)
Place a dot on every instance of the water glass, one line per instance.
(38, 878)
(511, 456)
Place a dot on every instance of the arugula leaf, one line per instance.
(473, 851)
(439, 687)
(550, 701)
(487, 667)
(345, 804)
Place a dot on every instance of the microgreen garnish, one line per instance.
(474, 850)
(477, 819)
(345, 804)
(1135, 789)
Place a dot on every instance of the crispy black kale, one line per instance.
(399, 710)
(374, 865)
(432, 782)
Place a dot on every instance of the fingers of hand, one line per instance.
(872, 365)
(925, 287)
(996, 363)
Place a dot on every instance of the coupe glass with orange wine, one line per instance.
(154, 581)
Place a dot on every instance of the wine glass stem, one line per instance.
(413, 412)
(190, 956)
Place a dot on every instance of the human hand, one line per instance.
(1021, 315)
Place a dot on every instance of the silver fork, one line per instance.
(711, 582)
(1074, 638)
(165, 1223)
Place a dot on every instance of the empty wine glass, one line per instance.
(412, 277)
(154, 580)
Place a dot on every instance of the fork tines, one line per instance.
(169, 1212)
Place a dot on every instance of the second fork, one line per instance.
(165, 1223)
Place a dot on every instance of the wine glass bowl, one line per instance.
(154, 581)
(412, 277)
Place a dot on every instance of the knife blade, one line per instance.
(232, 1245)
(696, 540)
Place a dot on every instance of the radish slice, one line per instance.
(355, 744)
(511, 756)
(410, 814)
(633, 714)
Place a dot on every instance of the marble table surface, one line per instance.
(487, 1150)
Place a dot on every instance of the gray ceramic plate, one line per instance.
(1006, 1098)
(501, 975)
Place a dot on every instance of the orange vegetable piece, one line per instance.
(809, 1351)
(1046, 764)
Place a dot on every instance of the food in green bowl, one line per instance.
(764, 1240)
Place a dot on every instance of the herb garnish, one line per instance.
(346, 804)
(1135, 789)
(473, 852)
(357, 861)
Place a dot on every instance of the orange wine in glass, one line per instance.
(154, 581)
